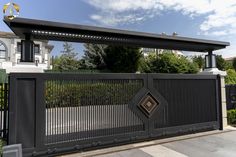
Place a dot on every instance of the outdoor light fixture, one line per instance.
(210, 61)
(11, 10)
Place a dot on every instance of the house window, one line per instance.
(36, 48)
(3, 51)
(18, 46)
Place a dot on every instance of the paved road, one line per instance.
(218, 145)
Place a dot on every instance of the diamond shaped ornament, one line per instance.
(148, 104)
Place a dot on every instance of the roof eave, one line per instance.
(21, 26)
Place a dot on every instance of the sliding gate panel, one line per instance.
(82, 109)
(56, 113)
(192, 102)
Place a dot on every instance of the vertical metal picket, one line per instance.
(5, 110)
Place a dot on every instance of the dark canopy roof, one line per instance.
(47, 30)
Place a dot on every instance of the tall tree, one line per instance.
(94, 56)
(234, 64)
(69, 51)
(221, 64)
(199, 60)
(231, 77)
(68, 59)
(122, 58)
(168, 62)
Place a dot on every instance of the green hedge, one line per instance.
(80, 71)
(231, 77)
(3, 76)
(71, 93)
(2, 95)
(231, 114)
(2, 143)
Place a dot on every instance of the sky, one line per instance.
(206, 19)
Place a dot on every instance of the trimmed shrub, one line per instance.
(3, 76)
(231, 114)
(73, 93)
(169, 63)
(231, 77)
(2, 96)
(2, 143)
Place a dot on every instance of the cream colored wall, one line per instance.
(13, 55)
(223, 102)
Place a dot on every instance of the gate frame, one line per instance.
(34, 86)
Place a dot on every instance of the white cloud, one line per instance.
(123, 5)
(112, 12)
(219, 33)
(96, 17)
(113, 19)
(228, 52)
(220, 16)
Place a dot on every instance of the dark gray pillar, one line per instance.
(210, 60)
(27, 50)
(26, 126)
(22, 111)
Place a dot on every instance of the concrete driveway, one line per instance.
(216, 145)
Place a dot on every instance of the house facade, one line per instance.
(230, 59)
(10, 54)
(147, 51)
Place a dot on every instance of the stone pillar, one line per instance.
(223, 102)
(216, 71)
(12, 150)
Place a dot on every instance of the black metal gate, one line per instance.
(230, 96)
(3, 110)
(55, 113)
